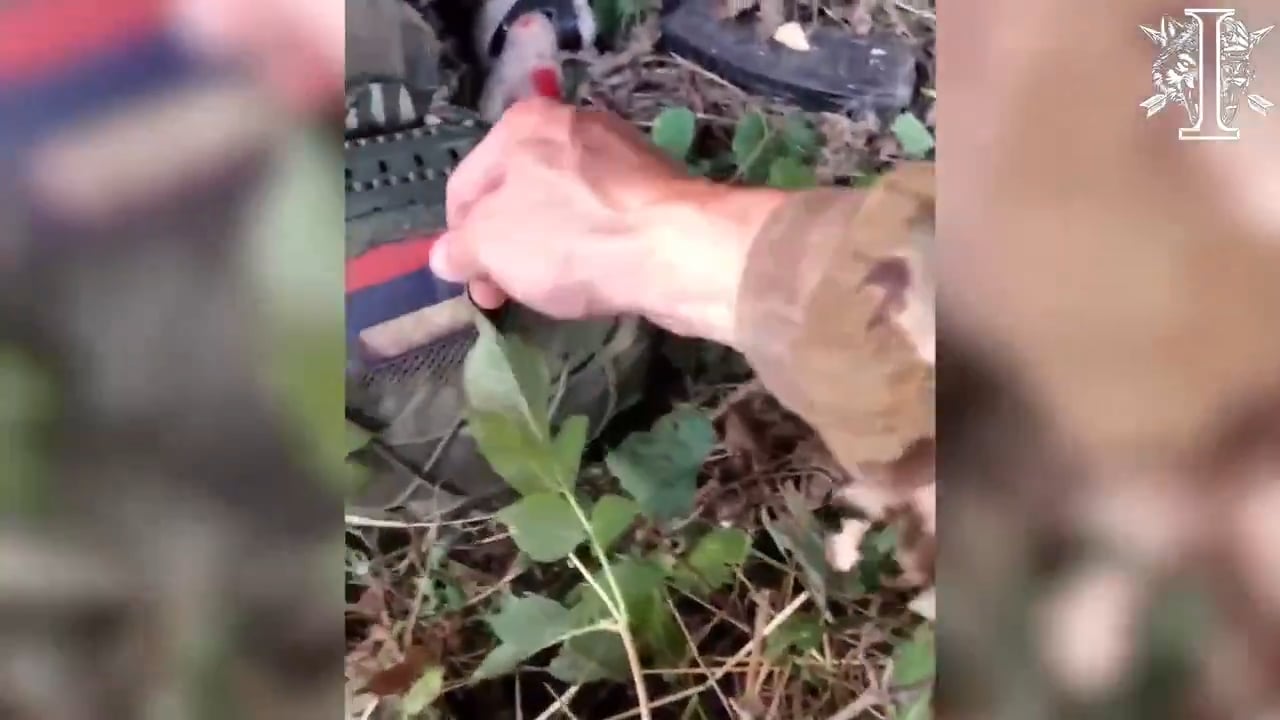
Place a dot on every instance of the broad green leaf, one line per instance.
(568, 447)
(635, 576)
(659, 468)
(877, 557)
(800, 633)
(608, 14)
(505, 375)
(673, 131)
(531, 621)
(754, 148)
(656, 629)
(611, 517)
(790, 173)
(585, 603)
(714, 560)
(424, 691)
(600, 655)
(513, 452)
(614, 17)
(591, 657)
(524, 625)
(912, 135)
(803, 140)
(915, 660)
(500, 661)
(544, 526)
(748, 137)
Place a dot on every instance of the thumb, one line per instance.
(449, 261)
(453, 258)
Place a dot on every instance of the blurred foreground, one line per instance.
(1109, 406)
(170, 349)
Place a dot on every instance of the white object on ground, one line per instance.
(925, 604)
(844, 548)
(793, 36)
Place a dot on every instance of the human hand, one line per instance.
(575, 213)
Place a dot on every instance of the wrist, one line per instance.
(697, 239)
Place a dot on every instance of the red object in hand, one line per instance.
(546, 83)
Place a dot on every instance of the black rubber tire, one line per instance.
(841, 73)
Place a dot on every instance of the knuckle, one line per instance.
(533, 113)
(520, 112)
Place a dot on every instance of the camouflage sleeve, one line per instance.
(835, 314)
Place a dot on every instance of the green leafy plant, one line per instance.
(779, 153)
(673, 131)
(713, 560)
(621, 609)
(801, 633)
(621, 612)
(659, 468)
(616, 17)
(912, 135)
(914, 668)
(788, 173)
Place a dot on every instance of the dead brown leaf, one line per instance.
(396, 680)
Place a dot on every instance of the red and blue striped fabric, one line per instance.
(65, 61)
(72, 72)
(391, 281)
